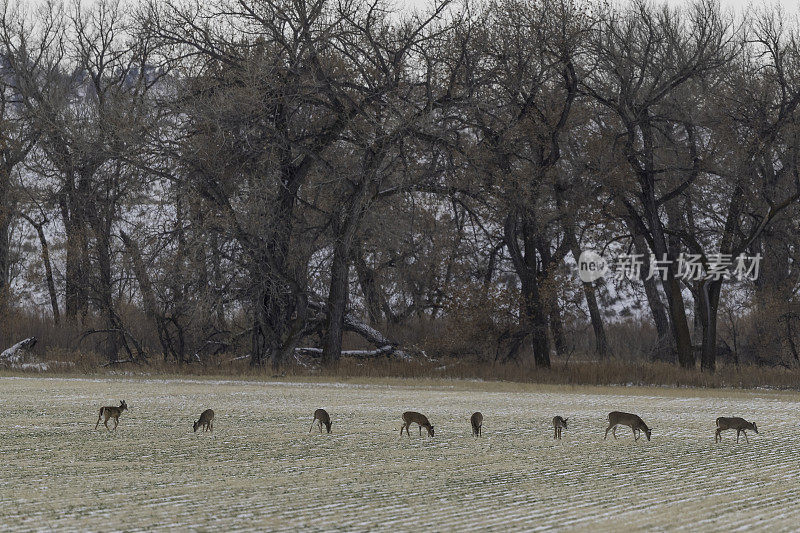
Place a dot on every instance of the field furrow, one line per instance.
(262, 469)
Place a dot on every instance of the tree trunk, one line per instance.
(75, 227)
(259, 344)
(664, 344)
(217, 281)
(149, 296)
(369, 286)
(600, 340)
(536, 323)
(710, 293)
(105, 285)
(557, 328)
(649, 225)
(5, 224)
(273, 289)
(550, 296)
(533, 317)
(348, 223)
(48, 268)
(337, 305)
(679, 325)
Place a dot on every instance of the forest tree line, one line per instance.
(270, 177)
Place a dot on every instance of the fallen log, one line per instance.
(383, 351)
(384, 346)
(15, 354)
(19, 357)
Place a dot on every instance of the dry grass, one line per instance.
(66, 344)
(608, 372)
(262, 470)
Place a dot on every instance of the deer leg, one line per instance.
(320, 427)
(105, 423)
(211, 426)
(312, 425)
(745, 437)
(98, 420)
(738, 431)
(607, 430)
(717, 436)
(635, 436)
(614, 432)
(116, 423)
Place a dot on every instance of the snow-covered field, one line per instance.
(261, 469)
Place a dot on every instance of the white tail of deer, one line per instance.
(617, 418)
(739, 424)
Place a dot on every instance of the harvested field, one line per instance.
(261, 469)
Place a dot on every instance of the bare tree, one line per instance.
(644, 56)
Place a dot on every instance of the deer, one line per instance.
(477, 423)
(206, 421)
(111, 412)
(321, 416)
(616, 418)
(410, 417)
(739, 424)
(559, 424)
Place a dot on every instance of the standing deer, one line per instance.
(477, 422)
(559, 424)
(739, 424)
(616, 418)
(206, 421)
(410, 417)
(111, 412)
(321, 417)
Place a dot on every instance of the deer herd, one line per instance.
(321, 417)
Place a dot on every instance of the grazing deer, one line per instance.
(477, 422)
(739, 424)
(410, 417)
(111, 412)
(206, 421)
(321, 416)
(559, 424)
(616, 418)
